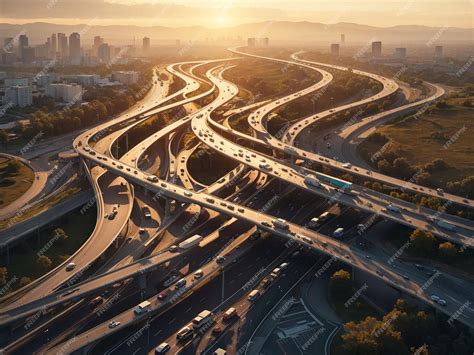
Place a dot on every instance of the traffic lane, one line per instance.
(207, 297)
(231, 329)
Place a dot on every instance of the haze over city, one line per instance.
(236, 177)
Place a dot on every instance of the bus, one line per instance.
(143, 307)
(343, 184)
(205, 317)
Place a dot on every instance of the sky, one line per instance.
(226, 13)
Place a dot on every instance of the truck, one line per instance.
(280, 223)
(446, 225)
(143, 307)
(204, 317)
(342, 184)
(190, 242)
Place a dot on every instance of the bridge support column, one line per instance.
(126, 141)
(142, 282)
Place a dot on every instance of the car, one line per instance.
(198, 274)
(113, 324)
(368, 257)
(70, 266)
(141, 230)
(406, 277)
(284, 266)
(188, 194)
(419, 266)
(434, 298)
(111, 216)
(347, 165)
(162, 295)
(162, 348)
(174, 248)
(442, 302)
(220, 259)
(180, 283)
(267, 281)
(266, 224)
(217, 329)
(439, 191)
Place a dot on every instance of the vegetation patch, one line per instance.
(15, 179)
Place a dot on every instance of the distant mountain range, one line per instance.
(278, 31)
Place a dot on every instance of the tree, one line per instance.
(4, 137)
(44, 262)
(340, 283)
(60, 234)
(423, 242)
(447, 250)
(3, 276)
(13, 167)
(24, 281)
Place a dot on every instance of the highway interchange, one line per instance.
(119, 181)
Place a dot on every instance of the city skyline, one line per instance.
(235, 12)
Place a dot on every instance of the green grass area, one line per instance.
(45, 204)
(13, 184)
(356, 311)
(23, 256)
(441, 134)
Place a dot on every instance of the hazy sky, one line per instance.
(213, 13)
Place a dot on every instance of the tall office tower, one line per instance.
(343, 38)
(265, 41)
(54, 45)
(251, 42)
(146, 44)
(62, 44)
(335, 48)
(98, 41)
(75, 47)
(377, 49)
(23, 41)
(8, 44)
(400, 53)
(438, 51)
(28, 54)
(103, 53)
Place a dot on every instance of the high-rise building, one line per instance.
(335, 48)
(146, 44)
(42, 51)
(343, 38)
(28, 54)
(62, 44)
(75, 47)
(265, 41)
(23, 41)
(54, 45)
(98, 41)
(251, 42)
(438, 51)
(126, 77)
(377, 49)
(103, 53)
(400, 53)
(8, 44)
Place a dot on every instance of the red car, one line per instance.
(162, 295)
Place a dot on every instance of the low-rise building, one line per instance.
(126, 77)
(64, 92)
(21, 96)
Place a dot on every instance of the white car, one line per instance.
(162, 348)
(70, 266)
(434, 298)
(198, 274)
(113, 324)
(347, 165)
(442, 302)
